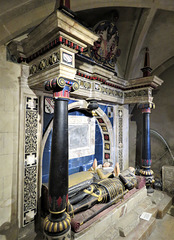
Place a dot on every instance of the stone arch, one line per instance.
(103, 122)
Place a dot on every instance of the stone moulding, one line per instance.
(52, 32)
(50, 52)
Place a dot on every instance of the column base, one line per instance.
(55, 228)
(149, 189)
(148, 174)
(61, 236)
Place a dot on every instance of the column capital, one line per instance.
(146, 106)
(61, 87)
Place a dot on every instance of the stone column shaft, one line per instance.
(57, 223)
(146, 146)
(146, 143)
(58, 178)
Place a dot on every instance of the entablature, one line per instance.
(54, 49)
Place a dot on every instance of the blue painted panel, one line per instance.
(46, 159)
(77, 164)
(98, 144)
(81, 163)
(45, 178)
(71, 101)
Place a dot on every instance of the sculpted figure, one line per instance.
(104, 190)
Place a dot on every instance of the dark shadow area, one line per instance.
(137, 117)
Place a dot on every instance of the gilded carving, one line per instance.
(44, 63)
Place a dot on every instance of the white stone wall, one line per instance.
(9, 108)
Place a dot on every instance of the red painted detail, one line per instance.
(66, 198)
(100, 120)
(81, 49)
(66, 41)
(71, 44)
(77, 47)
(85, 76)
(106, 136)
(146, 110)
(66, 93)
(60, 39)
(107, 155)
(67, 3)
(59, 202)
(51, 83)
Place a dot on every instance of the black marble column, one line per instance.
(57, 223)
(146, 146)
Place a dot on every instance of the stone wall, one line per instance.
(162, 121)
(9, 108)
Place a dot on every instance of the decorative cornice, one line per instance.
(58, 41)
(123, 88)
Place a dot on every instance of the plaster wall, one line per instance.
(9, 107)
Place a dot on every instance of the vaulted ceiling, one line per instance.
(141, 24)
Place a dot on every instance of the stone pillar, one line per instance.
(57, 223)
(146, 146)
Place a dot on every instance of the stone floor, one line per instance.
(164, 227)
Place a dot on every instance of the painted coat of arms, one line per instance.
(105, 49)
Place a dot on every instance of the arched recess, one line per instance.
(103, 122)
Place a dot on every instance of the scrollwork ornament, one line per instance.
(75, 86)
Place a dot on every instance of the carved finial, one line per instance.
(146, 69)
(147, 58)
(61, 3)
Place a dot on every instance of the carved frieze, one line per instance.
(120, 137)
(30, 160)
(45, 63)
